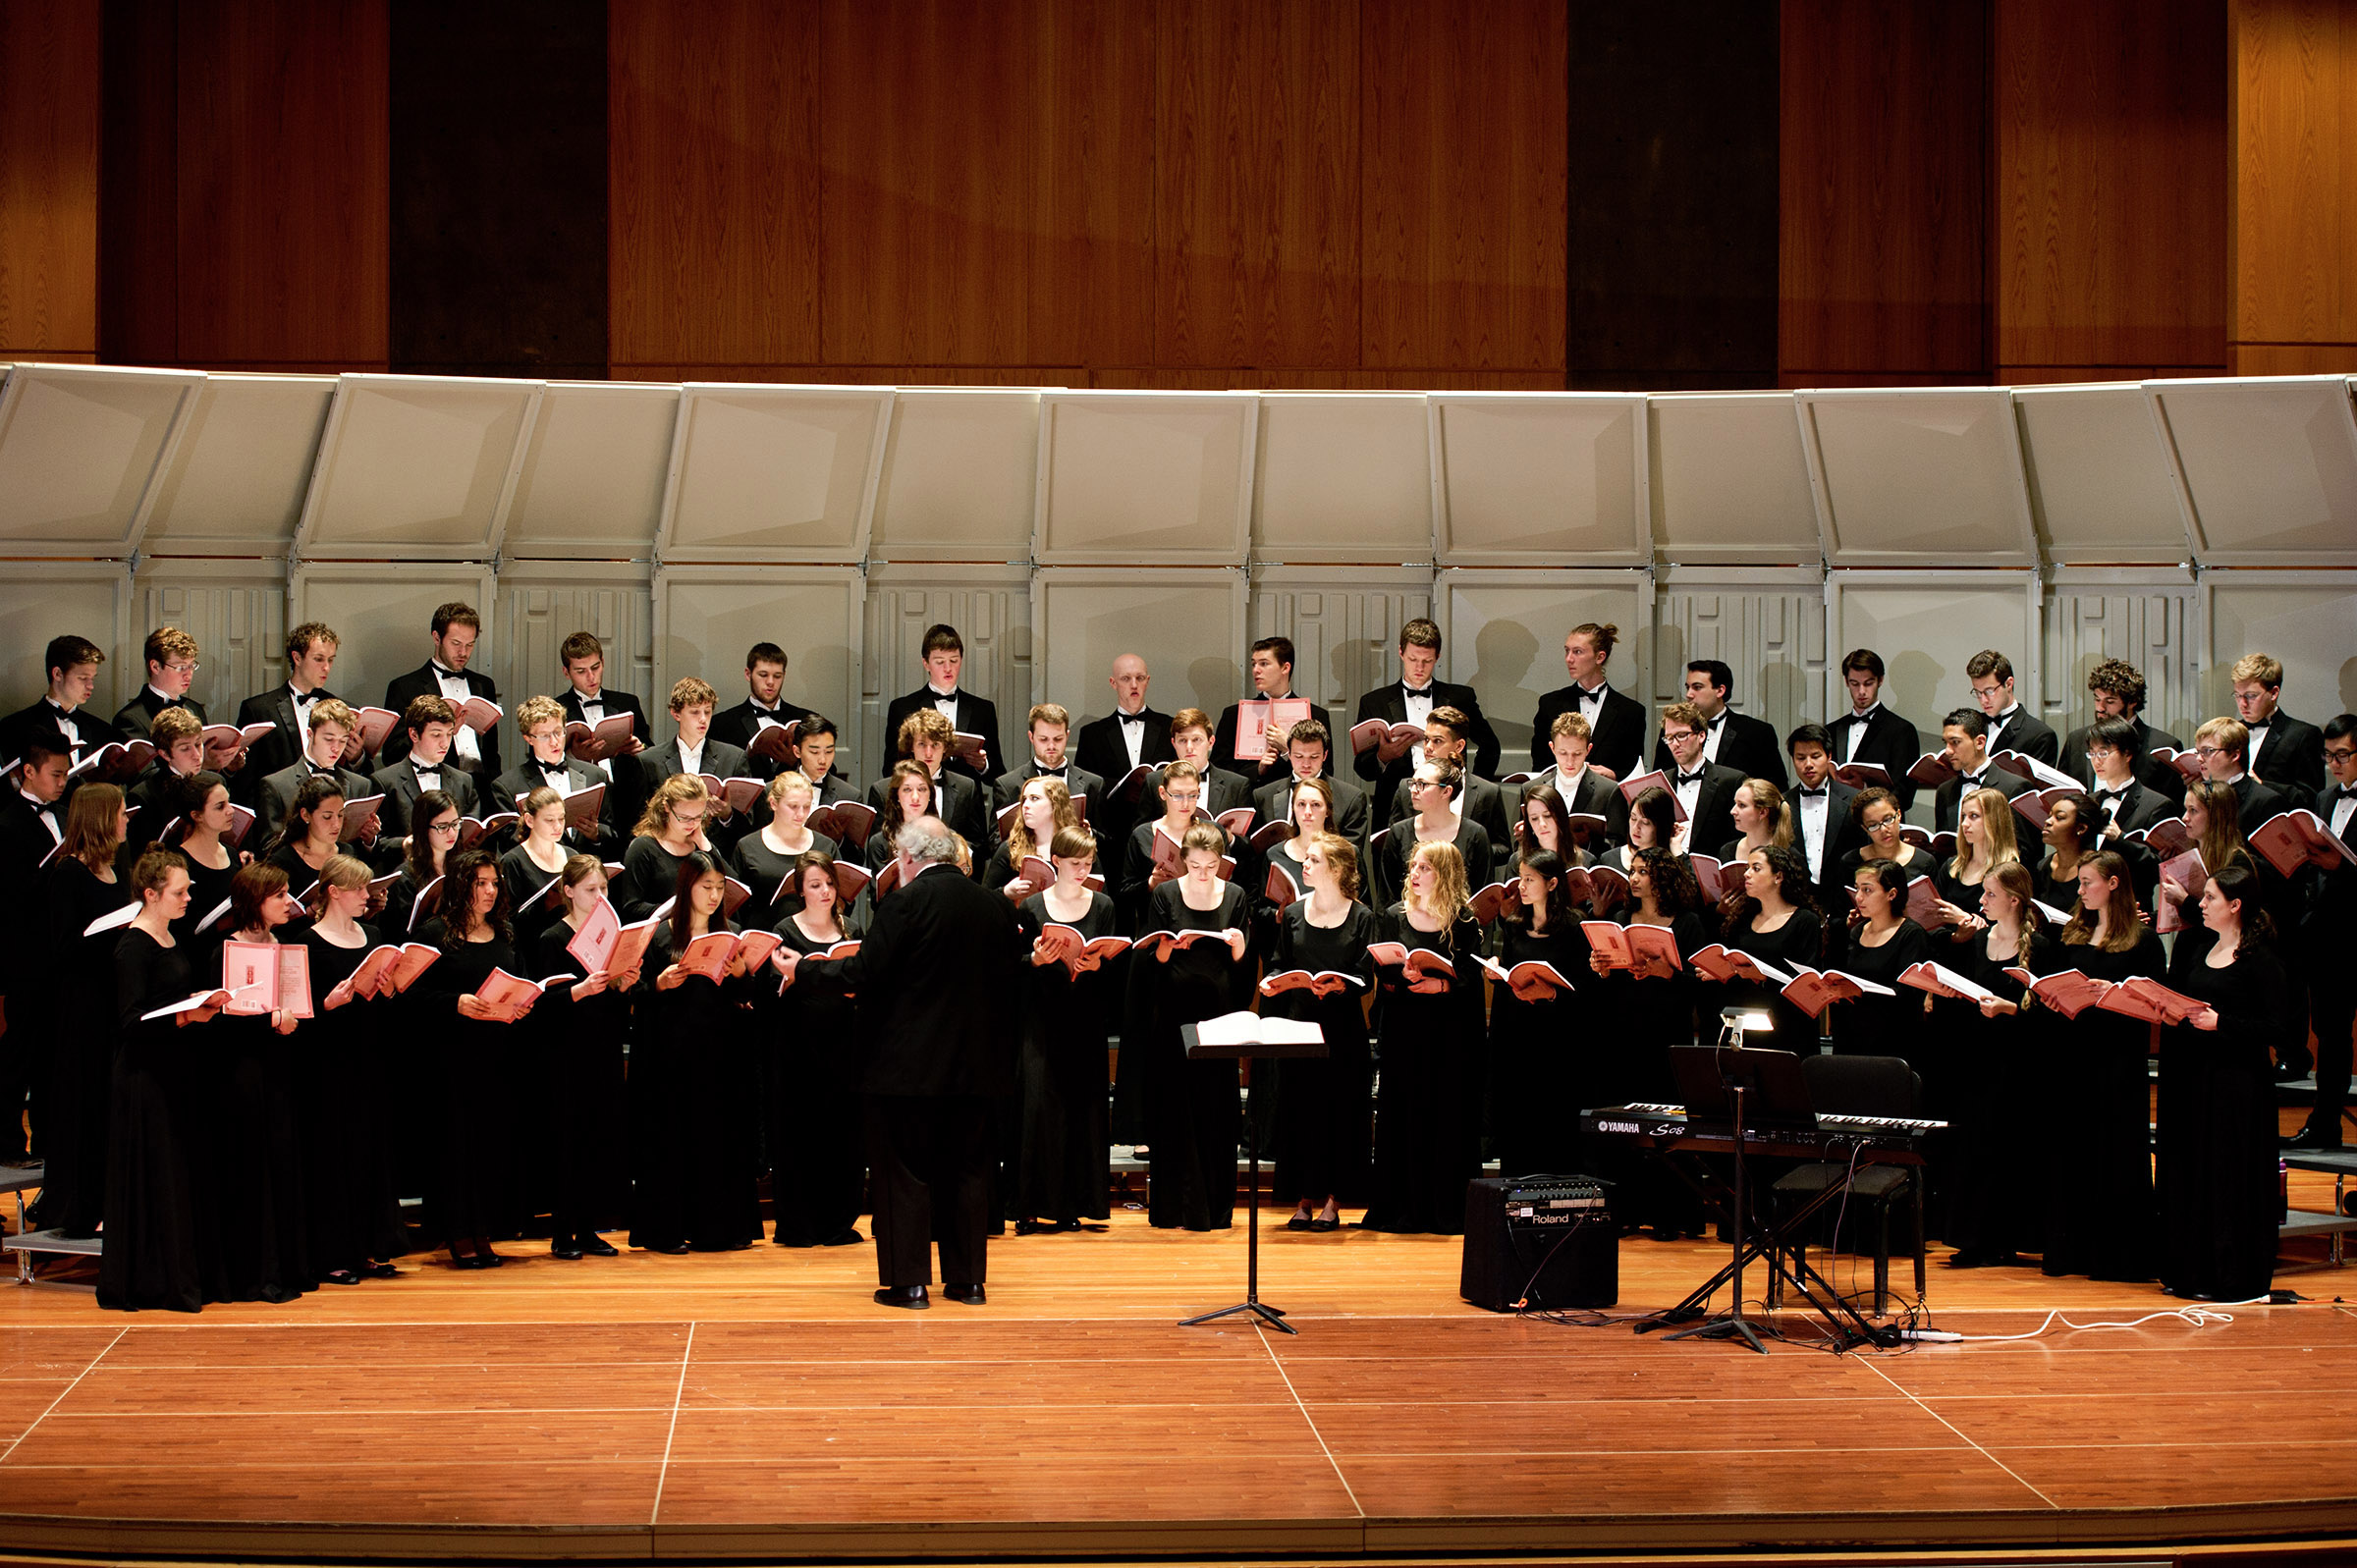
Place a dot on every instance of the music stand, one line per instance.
(1744, 1089)
(1255, 1050)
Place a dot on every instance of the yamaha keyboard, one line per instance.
(1884, 1140)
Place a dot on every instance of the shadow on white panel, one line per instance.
(774, 473)
(706, 619)
(1503, 636)
(1188, 625)
(1343, 479)
(240, 470)
(594, 467)
(1925, 631)
(79, 448)
(415, 467)
(1731, 483)
(1531, 482)
(960, 476)
(2271, 468)
(1919, 477)
(1145, 477)
(2305, 620)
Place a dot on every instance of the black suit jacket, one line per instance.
(1841, 831)
(41, 717)
(1618, 733)
(401, 690)
(396, 782)
(1223, 744)
(2330, 920)
(961, 808)
(2158, 778)
(624, 781)
(23, 843)
(613, 702)
(1892, 743)
(1749, 746)
(1098, 748)
(150, 793)
(1945, 804)
(1077, 781)
(507, 792)
(1222, 791)
(976, 716)
(938, 976)
(276, 799)
(283, 746)
(2292, 754)
(137, 717)
(2139, 808)
(737, 726)
(2028, 735)
(2259, 802)
(1389, 704)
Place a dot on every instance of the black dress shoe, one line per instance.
(1299, 1223)
(1334, 1223)
(971, 1295)
(595, 1245)
(381, 1270)
(487, 1259)
(566, 1248)
(2310, 1138)
(909, 1296)
(340, 1276)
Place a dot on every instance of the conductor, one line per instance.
(933, 977)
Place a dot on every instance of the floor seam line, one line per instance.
(1909, 1395)
(5, 1454)
(654, 1515)
(1312, 1423)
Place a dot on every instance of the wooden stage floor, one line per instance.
(756, 1404)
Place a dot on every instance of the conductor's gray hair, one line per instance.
(926, 838)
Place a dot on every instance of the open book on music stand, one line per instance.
(1236, 1035)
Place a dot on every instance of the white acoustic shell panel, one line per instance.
(1503, 635)
(1925, 476)
(1344, 623)
(383, 612)
(80, 448)
(1153, 477)
(2270, 468)
(1189, 626)
(541, 603)
(1344, 478)
(44, 599)
(595, 461)
(1731, 483)
(707, 616)
(2101, 485)
(240, 467)
(2306, 619)
(773, 473)
(236, 608)
(961, 475)
(415, 468)
(1926, 626)
(1540, 479)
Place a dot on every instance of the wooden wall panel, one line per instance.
(2110, 213)
(714, 249)
(50, 55)
(2294, 185)
(1883, 246)
(1256, 184)
(1464, 132)
(988, 191)
(283, 184)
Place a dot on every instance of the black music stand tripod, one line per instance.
(1257, 1051)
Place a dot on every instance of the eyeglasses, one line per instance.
(685, 820)
(1678, 734)
(2339, 754)
(181, 669)
(2206, 752)
(442, 827)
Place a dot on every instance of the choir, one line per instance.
(262, 982)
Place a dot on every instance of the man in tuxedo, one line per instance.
(1307, 750)
(1049, 728)
(1411, 701)
(1823, 827)
(1705, 790)
(72, 665)
(2284, 751)
(171, 655)
(153, 796)
(692, 750)
(427, 725)
(33, 824)
(2327, 936)
(925, 739)
(2118, 687)
(944, 654)
(1584, 791)
(1272, 682)
(1131, 737)
(2126, 804)
(2223, 745)
(1870, 732)
(328, 730)
(764, 704)
(1730, 739)
(1964, 742)
(1192, 741)
(1445, 734)
(937, 977)
(2011, 726)
(456, 630)
(585, 700)
(1616, 721)
(311, 659)
(540, 721)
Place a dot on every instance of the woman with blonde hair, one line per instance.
(1428, 1109)
(1324, 1104)
(341, 1088)
(1762, 819)
(1043, 809)
(765, 860)
(669, 831)
(1984, 841)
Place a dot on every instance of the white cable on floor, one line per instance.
(2200, 1316)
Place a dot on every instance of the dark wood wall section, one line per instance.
(2293, 78)
(1884, 192)
(498, 179)
(49, 56)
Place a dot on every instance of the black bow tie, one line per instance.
(318, 772)
(940, 696)
(1047, 773)
(1689, 777)
(2105, 797)
(420, 769)
(1416, 691)
(554, 770)
(1130, 718)
(1713, 723)
(1811, 795)
(1595, 694)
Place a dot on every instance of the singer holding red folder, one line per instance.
(1325, 1128)
(1061, 1175)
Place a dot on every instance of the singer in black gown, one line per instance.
(162, 1229)
(77, 1018)
(1428, 1105)
(1191, 1115)
(816, 1127)
(1325, 1135)
(695, 1098)
(574, 1049)
(256, 1147)
(1544, 1067)
(1063, 1176)
(340, 1095)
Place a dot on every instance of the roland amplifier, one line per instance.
(1552, 1237)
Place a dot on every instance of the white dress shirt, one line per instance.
(466, 744)
(1131, 728)
(1857, 732)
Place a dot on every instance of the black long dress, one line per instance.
(572, 1054)
(468, 1068)
(1387, 863)
(2102, 1217)
(1325, 1129)
(162, 1230)
(762, 869)
(817, 1154)
(402, 917)
(1636, 1024)
(256, 1153)
(1062, 1170)
(1882, 1026)
(1800, 940)
(1991, 1079)
(528, 906)
(650, 875)
(76, 1023)
(694, 1099)
(1546, 1067)
(2219, 1204)
(340, 1097)
(1428, 1096)
(1191, 1114)
(208, 890)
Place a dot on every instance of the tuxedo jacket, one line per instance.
(976, 716)
(137, 717)
(152, 794)
(23, 843)
(507, 792)
(2293, 754)
(2259, 802)
(396, 782)
(624, 782)
(1077, 781)
(937, 981)
(1841, 831)
(1389, 704)
(2330, 921)
(1619, 735)
(2139, 807)
(2158, 778)
(43, 719)
(1223, 745)
(737, 726)
(2028, 735)
(1748, 745)
(1098, 747)
(1486, 803)
(1952, 794)
(282, 747)
(1222, 791)
(1592, 797)
(961, 808)
(1352, 807)
(1891, 745)
(401, 690)
(275, 801)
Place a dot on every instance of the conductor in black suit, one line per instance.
(456, 629)
(764, 703)
(170, 670)
(1272, 682)
(2117, 689)
(2011, 726)
(1133, 735)
(310, 658)
(944, 661)
(1730, 739)
(1964, 742)
(1870, 732)
(1410, 700)
(936, 976)
(2327, 936)
(1616, 721)
(2285, 752)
